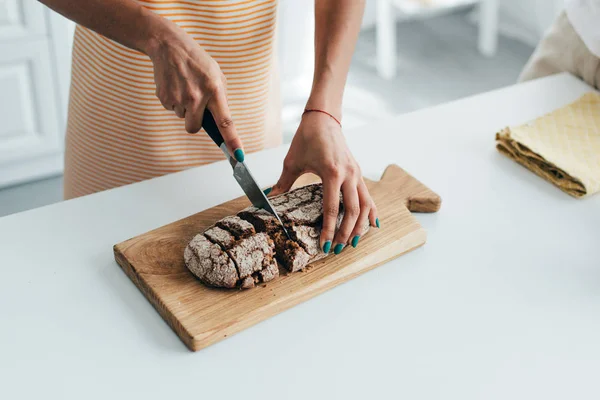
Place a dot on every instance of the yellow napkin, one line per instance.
(562, 147)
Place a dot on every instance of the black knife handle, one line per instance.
(210, 126)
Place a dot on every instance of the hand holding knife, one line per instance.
(241, 173)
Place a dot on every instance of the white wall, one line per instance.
(295, 29)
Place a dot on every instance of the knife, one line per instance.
(241, 173)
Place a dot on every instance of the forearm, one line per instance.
(124, 21)
(337, 24)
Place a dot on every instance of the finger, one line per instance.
(193, 117)
(351, 213)
(220, 111)
(365, 202)
(286, 180)
(331, 208)
(373, 216)
(179, 111)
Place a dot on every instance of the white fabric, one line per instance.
(585, 18)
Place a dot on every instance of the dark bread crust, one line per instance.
(221, 237)
(292, 200)
(231, 254)
(252, 254)
(291, 255)
(210, 263)
(236, 226)
(262, 220)
(251, 240)
(269, 272)
(308, 237)
(301, 211)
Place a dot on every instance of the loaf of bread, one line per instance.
(241, 250)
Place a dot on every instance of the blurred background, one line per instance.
(410, 54)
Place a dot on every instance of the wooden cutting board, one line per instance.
(202, 316)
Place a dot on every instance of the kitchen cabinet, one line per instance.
(34, 70)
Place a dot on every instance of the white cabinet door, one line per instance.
(33, 79)
(29, 111)
(21, 19)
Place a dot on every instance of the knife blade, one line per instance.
(241, 173)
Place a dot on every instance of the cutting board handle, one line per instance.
(419, 198)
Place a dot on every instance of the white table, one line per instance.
(503, 302)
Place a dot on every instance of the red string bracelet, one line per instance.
(307, 110)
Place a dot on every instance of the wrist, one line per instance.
(326, 93)
(327, 104)
(322, 114)
(162, 33)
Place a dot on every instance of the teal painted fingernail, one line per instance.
(239, 155)
(355, 241)
(267, 191)
(377, 222)
(327, 247)
(338, 248)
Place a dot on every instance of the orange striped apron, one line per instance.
(117, 130)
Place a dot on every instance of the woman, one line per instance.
(571, 45)
(145, 70)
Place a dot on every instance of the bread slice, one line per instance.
(210, 263)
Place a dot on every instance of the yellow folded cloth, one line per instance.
(562, 147)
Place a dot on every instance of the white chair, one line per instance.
(388, 12)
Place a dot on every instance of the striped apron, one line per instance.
(117, 130)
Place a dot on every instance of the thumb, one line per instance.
(286, 180)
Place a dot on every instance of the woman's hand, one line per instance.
(188, 80)
(319, 147)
